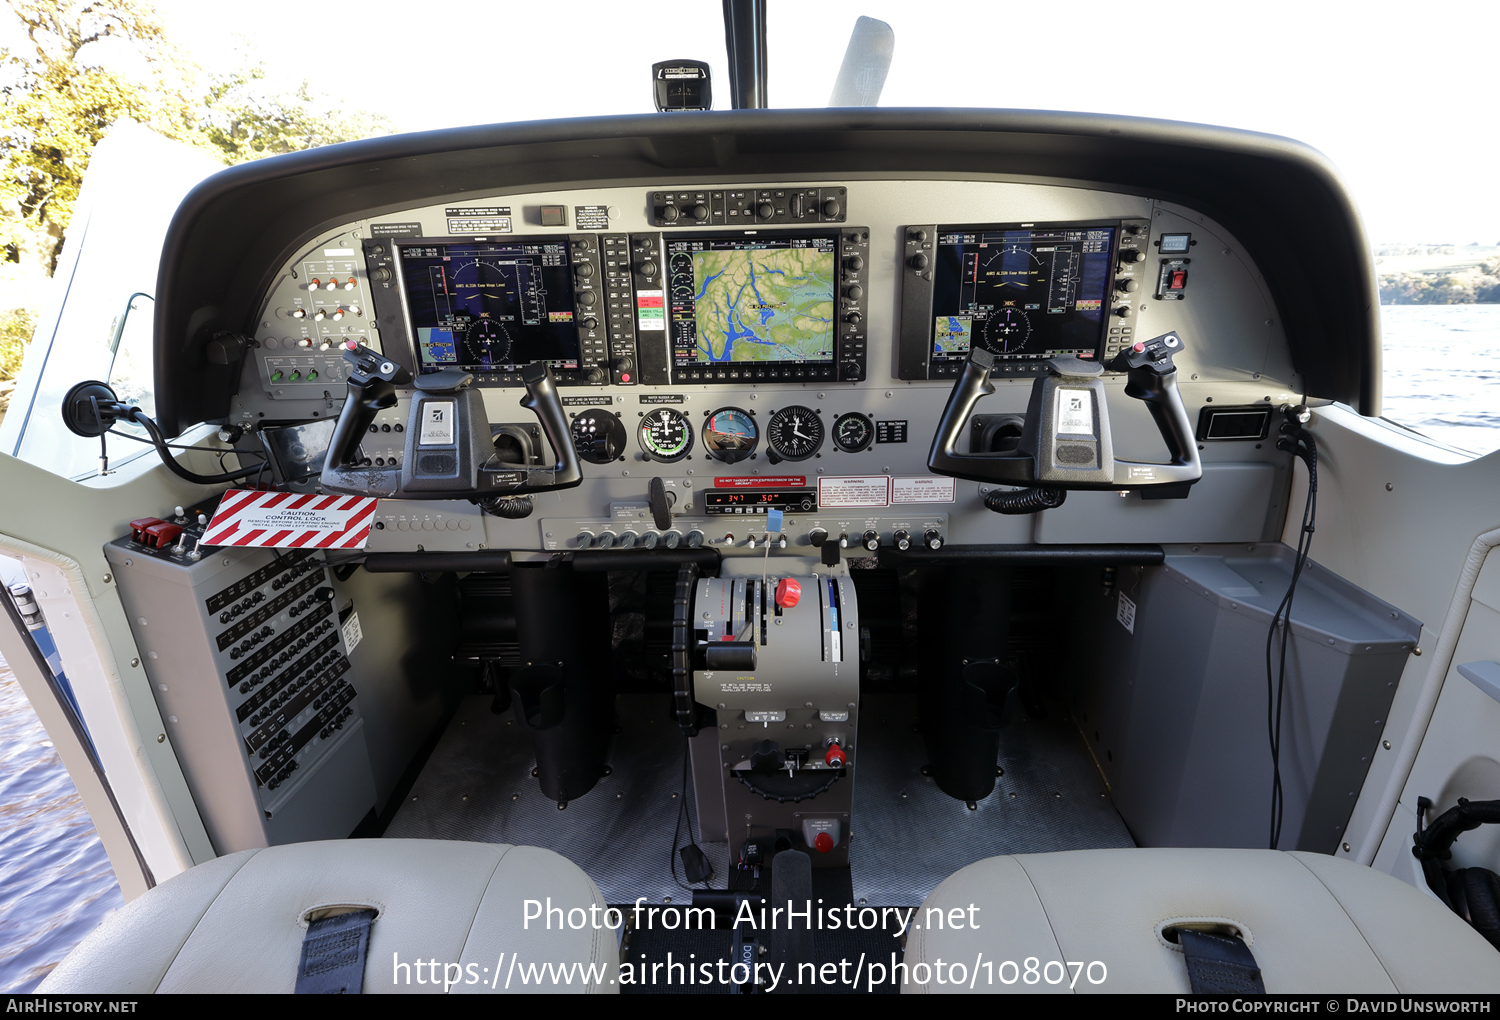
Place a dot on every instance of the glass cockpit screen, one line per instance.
(737, 300)
(1021, 293)
(490, 306)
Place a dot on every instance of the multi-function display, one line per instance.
(749, 300)
(490, 306)
(1021, 293)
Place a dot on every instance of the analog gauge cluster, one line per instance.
(666, 435)
(598, 435)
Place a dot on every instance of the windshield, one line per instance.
(1391, 101)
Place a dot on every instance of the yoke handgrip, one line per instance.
(542, 400)
(371, 389)
(974, 384)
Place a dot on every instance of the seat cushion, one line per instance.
(1314, 924)
(236, 924)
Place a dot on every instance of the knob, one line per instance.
(377, 249)
(1127, 286)
(834, 757)
(933, 540)
(852, 316)
(649, 539)
(625, 366)
(831, 207)
(817, 536)
(668, 213)
(855, 263)
(844, 540)
(694, 539)
(872, 540)
(855, 292)
(1129, 255)
(918, 235)
(605, 541)
(589, 322)
(587, 298)
(584, 269)
(700, 212)
(903, 540)
(765, 210)
(585, 539)
(1123, 311)
(597, 376)
(919, 261)
(648, 269)
(380, 274)
(823, 842)
(628, 540)
(672, 539)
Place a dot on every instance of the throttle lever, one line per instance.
(373, 379)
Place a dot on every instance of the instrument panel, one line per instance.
(797, 361)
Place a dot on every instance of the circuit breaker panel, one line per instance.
(248, 658)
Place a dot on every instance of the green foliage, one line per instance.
(1477, 285)
(16, 327)
(59, 97)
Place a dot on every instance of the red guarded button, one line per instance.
(788, 592)
(823, 842)
(834, 757)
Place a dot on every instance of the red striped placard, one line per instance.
(291, 520)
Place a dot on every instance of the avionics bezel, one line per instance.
(850, 313)
(400, 343)
(918, 321)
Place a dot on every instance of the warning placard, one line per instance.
(854, 491)
(291, 520)
(760, 482)
(923, 490)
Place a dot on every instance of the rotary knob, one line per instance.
(765, 210)
(1130, 255)
(817, 536)
(700, 212)
(831, 207)
(648, 269)
(628, 540)
(919, 262)
(672, 539)
(933, 540)
(587, 298)
(584, 269)
(668, 213)
(1127, 286)
(872, 540)
(695, 539)
(855, 263)
(902, 540)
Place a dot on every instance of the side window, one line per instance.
(99, 323)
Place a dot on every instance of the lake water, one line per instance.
(1442, 372)
(1442, 378)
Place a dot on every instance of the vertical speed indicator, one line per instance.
(666, 435)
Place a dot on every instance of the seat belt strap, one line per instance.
(333, 955)
(1220, 964)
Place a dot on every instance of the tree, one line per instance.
(61, 95)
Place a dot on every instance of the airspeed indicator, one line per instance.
(666, 435)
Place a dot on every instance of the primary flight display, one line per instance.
(1020, 293)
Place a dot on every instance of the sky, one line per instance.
(1403, 98)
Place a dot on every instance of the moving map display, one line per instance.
(738, 300)
(1020, 293)
(490, 307)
